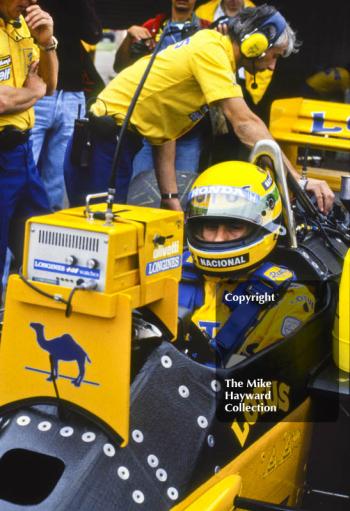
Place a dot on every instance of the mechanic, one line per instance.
(182, 20)
(185, 78)
(28, 71)
(140, 41)
(231, 288)
(214, 10)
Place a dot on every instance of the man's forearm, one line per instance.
(123, 55)
(13, 100)
(164, 163)
(253, 129)
(48, 70)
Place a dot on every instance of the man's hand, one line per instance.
(249, 128)
(222, 28)
(33, 81)
(322, 192)
(173, 204)
(40, 24)
(137, 33)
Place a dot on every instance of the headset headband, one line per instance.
(277, 22)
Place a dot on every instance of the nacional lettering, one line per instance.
(224, 263)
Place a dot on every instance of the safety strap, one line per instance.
(265, 281)
(191, 293)
(259, 292)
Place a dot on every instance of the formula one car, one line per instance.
(101, 411)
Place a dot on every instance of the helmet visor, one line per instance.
(229, 202)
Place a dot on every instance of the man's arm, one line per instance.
(164, 163)
(40, 25)
(13, 100)
(249, 128)
(123, 57)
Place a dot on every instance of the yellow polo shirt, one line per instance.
(17, 52)
(185, 78)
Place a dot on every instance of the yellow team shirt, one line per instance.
(17, 52)
(290, 312)
(185, 78)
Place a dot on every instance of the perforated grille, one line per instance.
(63, 239)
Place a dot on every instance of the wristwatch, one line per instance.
(50, 47)
(165, 196)
(303, 181)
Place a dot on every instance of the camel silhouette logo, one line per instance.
(62, 348)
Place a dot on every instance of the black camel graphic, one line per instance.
(62, 348)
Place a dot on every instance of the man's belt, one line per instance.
(11, 137)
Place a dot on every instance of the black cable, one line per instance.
(53, 377)
(254, 84)
(69, 308)
(56, 298)
(125, 125)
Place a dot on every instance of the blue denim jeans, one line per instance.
(22, 195)
(188, 150)
(54, 123)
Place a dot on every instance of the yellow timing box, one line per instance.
(133, 262)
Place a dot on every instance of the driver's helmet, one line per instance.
(229, 193)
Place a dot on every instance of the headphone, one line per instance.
(255, 44)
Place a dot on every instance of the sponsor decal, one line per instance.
(267, 182)
(5, 61)
(209, 327)
(224, 263)
(318, 124)
(162, 251)
(182, 43)
(269, 394)
(66, 269)
(65, 348)
(289, 325)
(199, 114)
(169, 263)
(231, 192)
(5, 68)
(278, 273)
